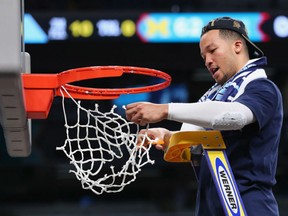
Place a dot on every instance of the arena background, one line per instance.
(42, 185)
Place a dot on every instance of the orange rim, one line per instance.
(55, 81)
(37, 85)
(88, 73)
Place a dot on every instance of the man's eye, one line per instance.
(212, 50)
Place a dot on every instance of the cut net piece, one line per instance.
(103, 148)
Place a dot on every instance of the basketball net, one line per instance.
(103, 148)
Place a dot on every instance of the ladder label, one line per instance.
(225, 183)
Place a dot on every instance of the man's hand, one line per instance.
(157, 134)
(143, 113)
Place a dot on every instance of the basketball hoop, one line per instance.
(102, 146)
(40, 89)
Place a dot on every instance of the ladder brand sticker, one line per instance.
(227, 188)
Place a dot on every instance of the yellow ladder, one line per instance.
(179, 150)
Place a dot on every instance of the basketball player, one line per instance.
(243, 104)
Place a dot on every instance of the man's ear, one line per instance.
(238, 46)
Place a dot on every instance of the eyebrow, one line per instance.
(207, 48)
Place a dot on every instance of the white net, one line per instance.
(103, 148)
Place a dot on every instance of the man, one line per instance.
(243, 104)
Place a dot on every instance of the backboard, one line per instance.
(13, 62)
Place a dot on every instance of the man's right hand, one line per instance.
(160, 136)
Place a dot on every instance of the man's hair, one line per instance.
(225, 33)
(228, 34)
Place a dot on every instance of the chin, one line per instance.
(220, 81)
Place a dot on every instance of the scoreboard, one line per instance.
(144, 27)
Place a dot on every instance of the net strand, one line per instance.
(103, 147)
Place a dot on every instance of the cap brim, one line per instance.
(254, 51)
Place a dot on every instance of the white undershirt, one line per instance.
(216, 115)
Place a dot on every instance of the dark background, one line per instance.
(42, 185)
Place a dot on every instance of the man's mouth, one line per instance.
(214, 70)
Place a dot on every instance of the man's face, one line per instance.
(219, 56)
